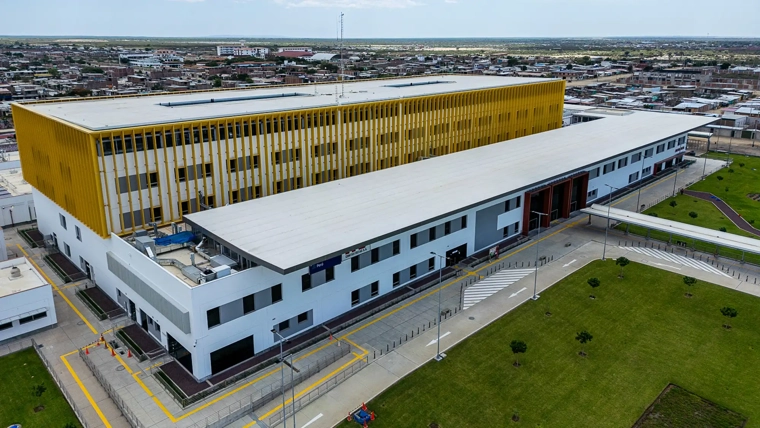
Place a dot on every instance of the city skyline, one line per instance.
(383, 19)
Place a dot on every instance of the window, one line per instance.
(633, 177)
(636, 157)
(592, 195)
(158, 327)
(153, 179)
(431, 233)
(62, 220)
(593, 173)
(303, 317)
(233, 165)
(212, 317)
(413, 272)
(447, 228)
(31, 318)
(681, 141)
(609, 167)
(208, 169)
(329, 274)
(78, 232)
(648, 153)
(622, 162)
(375, 255)
(181, 174)
(6, 326)
(67, 249)
(464, 222)
(306, 282)
(249, 304)
(374, 289)
(661, 148)
(671, 144)
(646, 171)
(413, 241)
(396, 279)
(354, 264)
(431, 263)
(157, 214)
(276, 293)
(354, 297)
(396, 247)
(283, 325)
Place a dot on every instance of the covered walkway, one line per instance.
(697, 233)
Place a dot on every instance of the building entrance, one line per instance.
(456, 255)
(556, 200)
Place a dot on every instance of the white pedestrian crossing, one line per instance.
(492, 285)
(674, 258)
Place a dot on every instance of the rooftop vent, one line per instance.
(15, 272)
(429, 82)
(227, 100)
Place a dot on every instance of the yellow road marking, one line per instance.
(84, 390)
(55, 287)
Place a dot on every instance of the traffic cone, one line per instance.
(372, 416)
(113, 354)
(364, 407)
(129, 353)
(87, 350)
(97, 343)
(102, 339)
(331, 336)
(365, 424)
(348, 419)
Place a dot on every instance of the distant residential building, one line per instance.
(294, 49)
(258, 52)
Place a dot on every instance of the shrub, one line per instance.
(653, 214)
(731, 170)
(741, 165)
(720, 177)
(673, 203)
(752, 221)
(594, 282)
(692, 214)
(722, 229)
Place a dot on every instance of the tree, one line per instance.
(212, 64)
(80, 92)
(594, 282)
(622, 262)
(518, 347)
(729, 313)
(583, 337)
(673, 203)
(54, 73)
(689, 281)
(217, 82)
(512, 61)
(569, 66)
(38, 390)
(692, 214)
(725, 66)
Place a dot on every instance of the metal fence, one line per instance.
(266, 394)
(317, 392)
(33, 344)
(120, 403)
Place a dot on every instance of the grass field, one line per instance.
(707, 214)
(646, 334)
(743, 181)
(19, 372)
(678, 408)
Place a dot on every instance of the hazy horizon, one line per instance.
(383, 19)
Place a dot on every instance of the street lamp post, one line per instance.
(675, 179)
(606, 230)
(282, 377)
(439, 356)
(292, 390)
(538, 236)
(728, 156)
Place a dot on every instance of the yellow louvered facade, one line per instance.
(121, 180)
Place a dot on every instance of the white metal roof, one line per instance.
(295, 229)
(704, 234)
(138, 111)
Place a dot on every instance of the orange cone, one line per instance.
(113, 354)
(87, 350)
(348, 419)
(101, 338)
(331, 336)
(97, 343)
(129, 353)
(372, 416)
(365, 424)
(364, 407)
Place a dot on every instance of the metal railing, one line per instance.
(268, 393)
(120, 403)
(303, 400)
(58, 382)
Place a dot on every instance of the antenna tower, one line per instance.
(342, 83)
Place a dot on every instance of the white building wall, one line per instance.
(21, 304)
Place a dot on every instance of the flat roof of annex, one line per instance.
(292, 230)
(126, 112)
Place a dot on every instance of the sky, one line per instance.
(381, 18)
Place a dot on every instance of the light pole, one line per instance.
(675, 179)
(606, 230)
(728, 156)
(538, 236)
(439, 356)
(282, 377)
(641, 180)
(292, 390)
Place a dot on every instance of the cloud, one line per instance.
(189, 1)
(351, 4)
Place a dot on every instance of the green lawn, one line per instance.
(19, 372)
(678, 408)
(707, 214)
(743, 181)
(646, 334)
